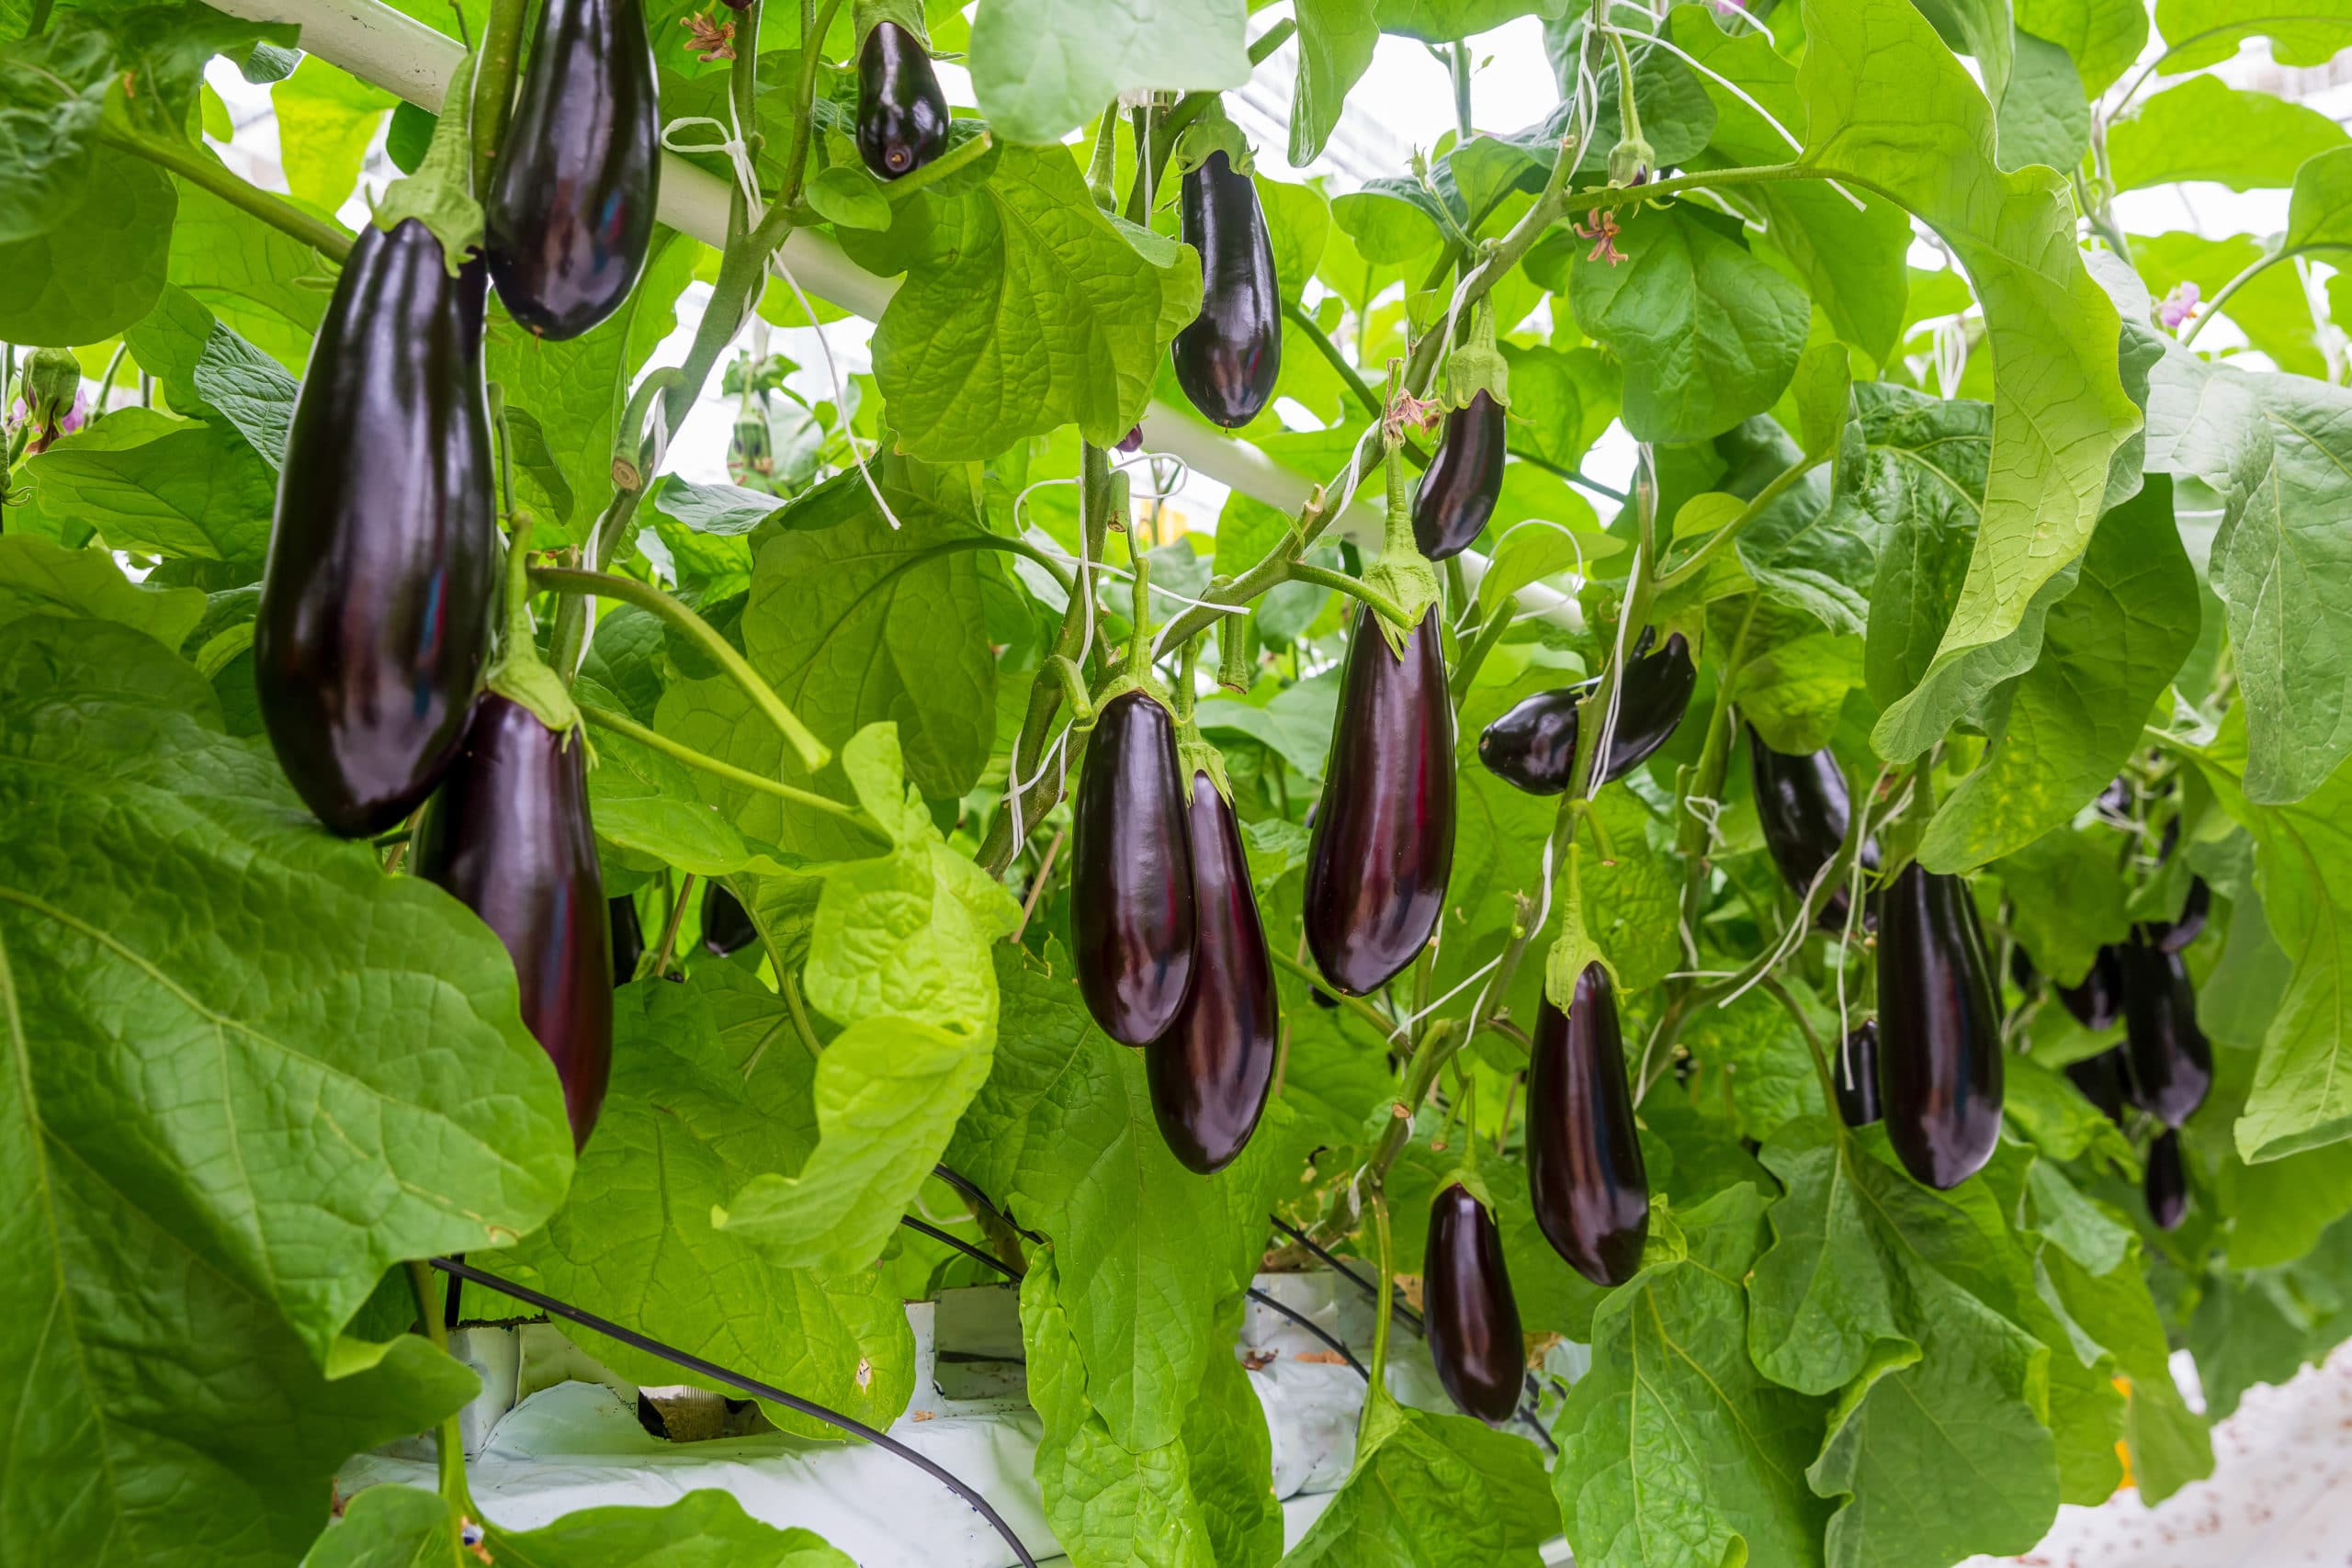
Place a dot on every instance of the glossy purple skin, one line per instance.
(2170, 1064)
(1382, 844)
(1472, 1319)
(1805, 809)
(383, 560)
(1228, 357)
(2165, 1184)
(1457, 493)
(1853, 1073)
(2174, 936)
(1533, 746)
(726, 928)
(509, 834)
(1584, 1169)
(628, 938)
(2097, 1002)
(2102, 1080)
(1210, 1072)
(569, 212)
(1134, 928)
(1939, 1029)
(902, 114)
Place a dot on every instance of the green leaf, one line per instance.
(1890, 110)
(724, 510)
(267, 286)
(2103, 37)
(2043, 116)
(711, 1089)
(1561, 402)
(37, 578)
(1335, 44)
(846, 194)
(326, 117)
(406, 1526)
(642, 799)
(1632, 909)
(1708, 335)
(1673, 1448)
(149, 482)
(2205, 32)
(52, 91)
(89, 278)
(1043, 68)
(1532, 551)
(2270, 308)
(1075, 309)
(864, 623)
(1753, 1069)
(2109, 649)
(1795, 693)
(902, 959)
(1298, 223)
(2066, 900)
(2205, 130)
(2318, 210)
(1441, 1490)
(1915, 482)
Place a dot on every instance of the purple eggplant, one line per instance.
(902, 114)
(1854, 1075)
(1474, 1333)
(2165, 1184)
(1457, 493)
(2097, 1000)
(1134, 927)
(2169, 1065)
(1585, 1170)
(1939, 1029)
(1805, 809)
(727, 927)
(1228, 358)
(1533, 746)
(629, 939)
(2174, 936)
(2102, 1080)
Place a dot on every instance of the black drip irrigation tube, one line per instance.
(751, 1386)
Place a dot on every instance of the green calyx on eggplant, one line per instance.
(1584, 1169)
(377, 598)
(628, 938)
(1210, 1072)
(1533, 746)
(570, 209)
(1854, 1076)
(1472, 1319)
(1938, 1027)
(2165, 1184)
(1382, 849)
(1457, 494)
(727, 927)
(1227, 357)
(1804, 807)
(2168, 1063)
(509, 834)
(2097, 1000)
(2103, 1081)
(902, 114)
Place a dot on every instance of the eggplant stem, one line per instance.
(209, 173)
(621, 725)
(1356, 1005)
(494, 84)
(1340, 582)
(969, 151)
(670, 928)
(449, 1437)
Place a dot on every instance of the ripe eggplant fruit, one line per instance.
(1854, 1075)
(510, 835)
(1533, 746)
(1383, 845)
(1457, 493)
(2174, 936)
(1472, 1319)
(1227, 357)
(2101, 1079)
(1805, 809)
(1210, 1072)
(2165, 1184)
(902, 114)
(2169, 1064)
(1134, 927)
(376, 600)
(629, 939)
(1939, 1029)
(1585, 1170)
(569, 216)
(727, 927)
(2097, 1001)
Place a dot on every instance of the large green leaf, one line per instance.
(2108, 649)
(1335, 43)
(149, 482)
(90, 278)
(1916, 474)
(2205, 32)
(710, 1090)
(326, 117)
(1673, 1448)
(1445, 1491)
(2270, 307)
(2204, 130)
(1890, 110)
(1043, 68)
(1026, 308)
(269, 288)
(37, 578)
(404, 1526)
(900, 958)
(2102, 37)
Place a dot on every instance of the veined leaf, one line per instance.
(406, 1526)
(1043, 68)
(2203, 130)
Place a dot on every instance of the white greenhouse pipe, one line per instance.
(408, 58)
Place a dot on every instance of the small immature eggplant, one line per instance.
(1134, 927)
(2022, 971)
(1533, 746)
(376, 603)
(1939, 1029)
(1210, 1072)
(1457, 493)
(2101, 1079)
(1472, 1319)
(2098, 1000)
(2174, 936)
(569, 214)
(1228, 358)
(1382, 846)
(2170, 1064)
(629, 939)
(727, 927)
(2165, 1185)
(1805, 809)
(1584, 1159)
(509, 834)
(902, 114)
(1854, 1075)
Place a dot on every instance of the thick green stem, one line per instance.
(812, 53)
(1714, 543)
(1385, 1251)
(493, 90)
(1712, 179)
(1340, 582)
(1437, 1044)
(1297, 316)
(208, 173)
(622, 724)
(1357, 1005)
(964, 154)
(1458, 67)
(2252, 270)
(448, 1438)
(814, 753)
(1811, 1041)
(669, 947)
